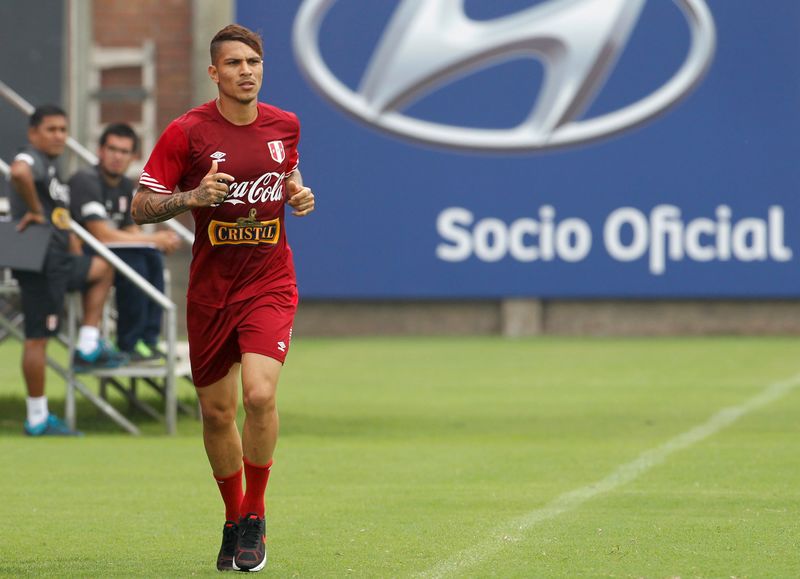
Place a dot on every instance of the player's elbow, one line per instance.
(136, 215)
(137, 208)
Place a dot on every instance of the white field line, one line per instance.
(514, 530)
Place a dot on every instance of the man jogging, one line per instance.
(233, 163)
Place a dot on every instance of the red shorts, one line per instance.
(219, 336)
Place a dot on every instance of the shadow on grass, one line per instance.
(90, 419)
(388, 425)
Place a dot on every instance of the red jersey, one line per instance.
(240, 247)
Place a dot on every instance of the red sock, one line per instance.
(230, 487)
(256, 477)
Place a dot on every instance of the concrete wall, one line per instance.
(528, 317)
(663, 318)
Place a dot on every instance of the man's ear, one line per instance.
(212, 73)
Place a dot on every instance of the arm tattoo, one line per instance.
(150, 207)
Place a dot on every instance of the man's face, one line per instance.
(116, 155)
(50, 136)
(238, 71)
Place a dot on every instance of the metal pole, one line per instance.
(70, 414)
(171, 402)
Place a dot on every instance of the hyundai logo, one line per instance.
(428, 44)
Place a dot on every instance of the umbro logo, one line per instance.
(219, 156)
(282, 346)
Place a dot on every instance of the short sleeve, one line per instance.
(168, 161)
(293, 156)
(37, 167)
(86, 197)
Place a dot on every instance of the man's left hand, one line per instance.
(299, 198)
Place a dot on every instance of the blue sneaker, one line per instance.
(104, 356)
(53, 426)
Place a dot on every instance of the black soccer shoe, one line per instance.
(230, 538)
(251, 552)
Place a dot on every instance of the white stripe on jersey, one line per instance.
(151, 183)
(25, 157)
(94, 208)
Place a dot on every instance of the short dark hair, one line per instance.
(120, 130)
(42, 111)
(236, 33)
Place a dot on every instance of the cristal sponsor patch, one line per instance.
(244, 231)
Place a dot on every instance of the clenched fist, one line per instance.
(212, 189)
(301, 199)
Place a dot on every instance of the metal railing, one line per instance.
(168, 306)
(119, 265)
(171, 407)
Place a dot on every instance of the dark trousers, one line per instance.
(138, 316)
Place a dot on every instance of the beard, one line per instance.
(242, 99)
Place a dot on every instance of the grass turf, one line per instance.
(397, 454)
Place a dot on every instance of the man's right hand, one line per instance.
(28, 218)
(212, 189)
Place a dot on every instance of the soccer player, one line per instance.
(242, 292)
(41, 197)
(101, 202)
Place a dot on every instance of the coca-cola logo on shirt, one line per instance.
(268, 187)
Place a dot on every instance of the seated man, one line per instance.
(101, 201)
(38, 196)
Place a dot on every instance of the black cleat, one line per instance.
(230, 539)
(251, 552)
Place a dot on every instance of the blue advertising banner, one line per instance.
(550, 148)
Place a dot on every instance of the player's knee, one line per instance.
(108, 271)
(100, 270)
(259, 400)
(217, 415)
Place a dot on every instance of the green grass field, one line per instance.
(474, 457)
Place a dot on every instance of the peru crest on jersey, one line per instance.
(276, 151)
